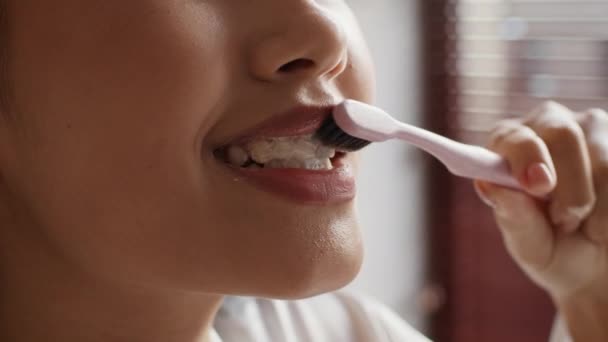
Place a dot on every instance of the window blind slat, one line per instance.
(570, 9)
(533, 27)
(508, 56)
(561, 49)
(530, 67)
(580, 87)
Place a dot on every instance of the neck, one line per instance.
(42, 298)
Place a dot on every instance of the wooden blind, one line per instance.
(507, 56)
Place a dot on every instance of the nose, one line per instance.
(306, 43)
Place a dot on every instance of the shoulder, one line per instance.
(339, 316)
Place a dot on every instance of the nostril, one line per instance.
(298, 64)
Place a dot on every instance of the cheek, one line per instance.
(113, 111)
(120, 100)
(113, 77)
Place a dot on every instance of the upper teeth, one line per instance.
(286, 152)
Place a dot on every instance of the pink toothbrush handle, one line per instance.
(485, 165)
(463, 160)
(373, 124)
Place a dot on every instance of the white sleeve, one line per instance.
(380, 321)
(560, 331)
(397, 329)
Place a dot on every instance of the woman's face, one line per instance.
(124, 112)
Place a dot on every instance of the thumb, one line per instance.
(526, 232)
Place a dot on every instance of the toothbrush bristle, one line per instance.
(331, 134)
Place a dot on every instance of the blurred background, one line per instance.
(456, 67)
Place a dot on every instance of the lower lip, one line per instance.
(305, 186)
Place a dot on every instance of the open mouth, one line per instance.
(281, 156)
(295, 152)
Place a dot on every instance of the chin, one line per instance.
(333, 279)
(311, 273)
(273, 248)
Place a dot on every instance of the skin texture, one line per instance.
(558, 230)
(115, 214)
(119, 225)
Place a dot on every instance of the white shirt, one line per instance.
(334, 317)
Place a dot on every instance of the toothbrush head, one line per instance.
(330, 134)
(354, 125)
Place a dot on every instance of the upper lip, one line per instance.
(297, 121)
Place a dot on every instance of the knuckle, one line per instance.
(500, 132)
(549, 107)
(565, 132)
(597, 113)
(509, 136)
(531, 144)
(594, 116)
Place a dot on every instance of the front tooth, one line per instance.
(325, 152)
(318, 164)
(237, 156)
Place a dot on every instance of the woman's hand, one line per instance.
(557, 231)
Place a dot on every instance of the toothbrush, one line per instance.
(354, 125)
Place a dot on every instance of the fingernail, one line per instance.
(539, 178)
(482, 192)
